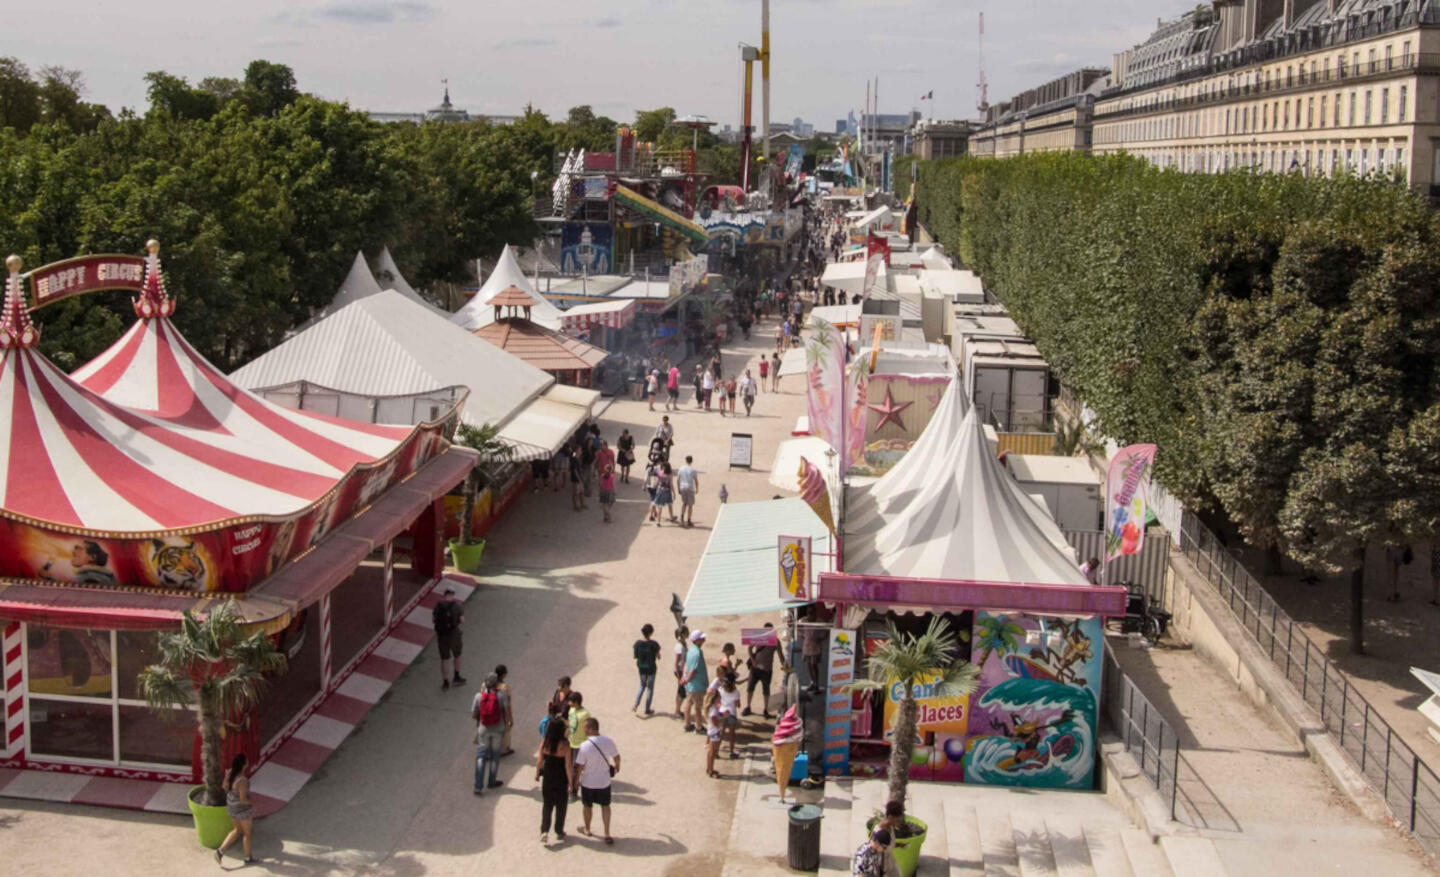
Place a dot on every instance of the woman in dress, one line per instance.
(664, 496)
(553, 767)
(242, 813)
(626, 458)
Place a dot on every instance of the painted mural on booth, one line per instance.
(1033, 717)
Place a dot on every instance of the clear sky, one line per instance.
(616, 55)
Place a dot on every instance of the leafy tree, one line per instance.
(269, 88)
(906, 660)
(173, 95)
(19, 96)
(211, 664)
(651, 124)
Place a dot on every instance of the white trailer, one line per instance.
(1068, 486)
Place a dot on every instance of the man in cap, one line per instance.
(696, 680)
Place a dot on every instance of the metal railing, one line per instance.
(1143, 731)
(1408, 785)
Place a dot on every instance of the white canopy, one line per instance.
(850, 277)
(935, 257)
(949, 510)
(881, 215)
(389, 275)
(838, 315)
(479, 312)
(386, 345)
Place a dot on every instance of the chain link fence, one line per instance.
(1409, 786)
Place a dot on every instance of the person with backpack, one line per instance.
(489, 710)
(448, 615)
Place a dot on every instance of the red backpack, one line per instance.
(489, 712)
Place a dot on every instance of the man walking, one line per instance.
(687, 481)
(489, 710)
(672, 389)
(696, 680)
(747, 391)
(596, 762)
(646, 651)
(762, 668)
(448, 615)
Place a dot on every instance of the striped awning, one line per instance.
(610, 314)
(660, 213)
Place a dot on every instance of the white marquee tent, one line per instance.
(478, 311)
(949, 510)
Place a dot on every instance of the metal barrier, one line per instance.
(1409, 786)
(1145, 733)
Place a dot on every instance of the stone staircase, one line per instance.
(993, 832)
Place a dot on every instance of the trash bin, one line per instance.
(804, 849)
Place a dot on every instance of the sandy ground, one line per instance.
(562, 593)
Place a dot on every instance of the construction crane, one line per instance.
(983, 104)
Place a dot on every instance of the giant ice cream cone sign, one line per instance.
(784, 743)
(816, 492)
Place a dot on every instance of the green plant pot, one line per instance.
(906, 850)
(467, 557)
(211, 823)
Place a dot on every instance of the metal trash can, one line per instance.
(804, 848)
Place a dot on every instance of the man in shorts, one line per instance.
(696, 680)
(672, 389)
(596, 761)
(687, 481)
(448, 615)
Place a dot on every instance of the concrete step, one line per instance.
(1032, 844)
(1067, 844)
(836, 846)
(962, 829)
(935, 855)
(1107, 852)
(1147, 858)
(1192, 857)
(997, 839)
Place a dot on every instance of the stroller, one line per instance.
(659, 450)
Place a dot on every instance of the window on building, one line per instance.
(1369, 93)
(1389, 51)
(1384, 106)
(1325, 67)
(1400, 164)
(1286, 125)
(1370, 57)
(1349, 159)
(1289, 75)
(1323, 106)
(1352, 111)
(1405, 53)
(1404, 97)
(1336, 120)
(1340, 66)
(1310, 113)
(1265, 117)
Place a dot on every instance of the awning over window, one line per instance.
(739, 572)
(660, 213)
(537, 432)
(610, 314)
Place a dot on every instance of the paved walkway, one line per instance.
(561, 593)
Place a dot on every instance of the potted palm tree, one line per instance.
(213, 665)
(495, 455)
(907, 660)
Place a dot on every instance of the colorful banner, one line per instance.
(686, 275)
(857, 391)
(875, 245)
(825, 379)
(941, 725)
(59, 280)
(1127, 487)
(835, 757)
(795, 561)
(872, 275)
(795, 161)
(759, 636)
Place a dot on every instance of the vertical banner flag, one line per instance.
(816, 493)
(1127, 487)
(857, 389)
(875, 243)
(825, 379)
(835, 755)
(795, 559)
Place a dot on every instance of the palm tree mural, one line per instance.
(994, 634)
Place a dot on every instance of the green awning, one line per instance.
(739, 572)
(661, 214)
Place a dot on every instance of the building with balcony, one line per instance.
(933, 138)
(1051, 117)
(1306, 86)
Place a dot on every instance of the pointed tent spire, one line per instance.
(16, 330)
(154, 301)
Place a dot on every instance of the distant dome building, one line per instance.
(446, 112)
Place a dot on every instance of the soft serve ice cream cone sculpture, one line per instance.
(783, 746)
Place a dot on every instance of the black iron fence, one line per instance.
(1409, 786)
(1144, 732)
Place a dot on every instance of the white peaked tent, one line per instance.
(949, 510)
(935, 258)
(393, 279)
(478, 311)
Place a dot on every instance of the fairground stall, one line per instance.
(948, 532)
(147, 484)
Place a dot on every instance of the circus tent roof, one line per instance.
(151, 436)
(949, 510)
(389, 274)
(539, 346)
(480, 310)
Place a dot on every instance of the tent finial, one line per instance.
(154, 301)
(16, 330)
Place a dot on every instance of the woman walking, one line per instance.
(553, 767)
(707, 385)
(682, 642)
(652, 387)
(240, 810)
(626, 458)
(664, 495)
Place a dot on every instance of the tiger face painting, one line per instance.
(178, 566)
